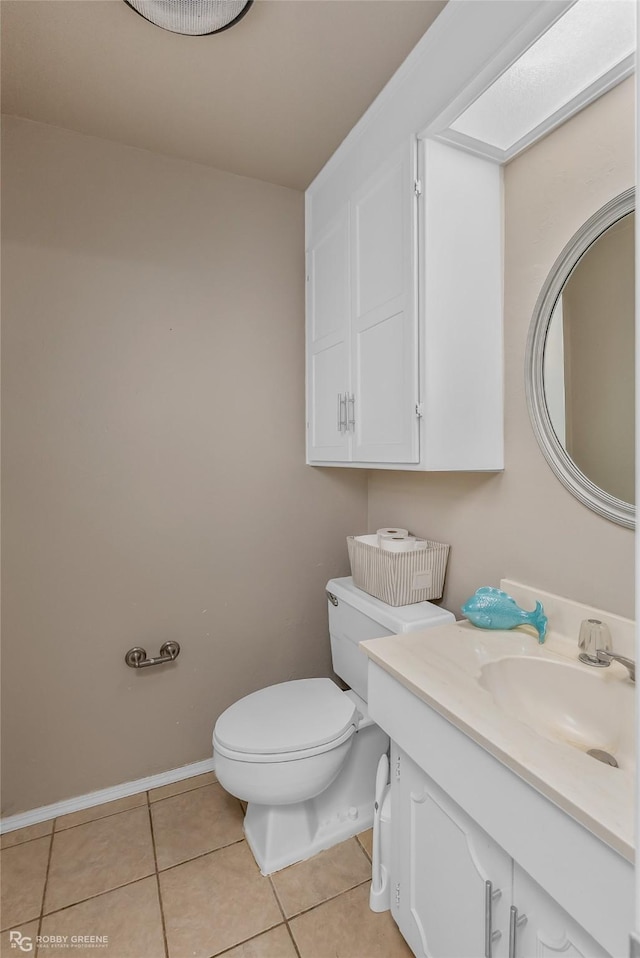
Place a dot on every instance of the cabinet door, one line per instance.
(444, 861)
(328, 305)
(546, 930)
(384, 334)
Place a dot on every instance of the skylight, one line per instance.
(589, 41)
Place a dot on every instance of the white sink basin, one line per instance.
(582, 707)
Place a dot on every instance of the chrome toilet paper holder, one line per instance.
(136, 658)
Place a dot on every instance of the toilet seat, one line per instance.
(286, 722)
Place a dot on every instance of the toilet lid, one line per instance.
(288, 717)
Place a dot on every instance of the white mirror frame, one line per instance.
(592, 496)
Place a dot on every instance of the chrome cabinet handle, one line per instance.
(489, 935)
(351, 400)
(342, 412)
(515, 921)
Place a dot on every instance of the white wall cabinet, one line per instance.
(362, 372)
(404, 314)
(384, 359)
(328, 346)
(456, 892)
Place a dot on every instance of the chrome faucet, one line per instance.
(606, 658)
(595, 642)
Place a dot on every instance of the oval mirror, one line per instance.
(579, 369)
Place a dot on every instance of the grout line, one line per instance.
(26, 841)
(44, 890)
(325, 901)
(273, 889)
(183, 792)
(46, 877)
(357, 837)
(211, 851)
(99, 818)
(157, 877)
(164, 926)
(293, 941)
(105, 891)
(225, 951)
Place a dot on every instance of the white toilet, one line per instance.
(304, 754)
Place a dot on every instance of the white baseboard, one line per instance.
(46, 812)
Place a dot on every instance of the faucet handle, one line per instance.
(594, 637)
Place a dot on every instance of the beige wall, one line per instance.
(154, 483)
(523, 523)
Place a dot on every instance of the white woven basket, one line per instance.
(399, 578)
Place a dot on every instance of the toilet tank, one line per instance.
(354, 616)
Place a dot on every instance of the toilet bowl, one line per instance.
(286, 743)
(300, 800)
(303, 754)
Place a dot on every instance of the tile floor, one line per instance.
(167, 874)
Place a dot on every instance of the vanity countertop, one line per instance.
(442, 666)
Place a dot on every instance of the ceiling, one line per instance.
(270, 98)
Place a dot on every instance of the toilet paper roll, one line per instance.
(392, 533)
(398, 544)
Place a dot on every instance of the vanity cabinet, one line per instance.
(548, 930)
(404, 313)
(456, 892)
(442, 863)
(461, 817)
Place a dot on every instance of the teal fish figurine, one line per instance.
(491, 608)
